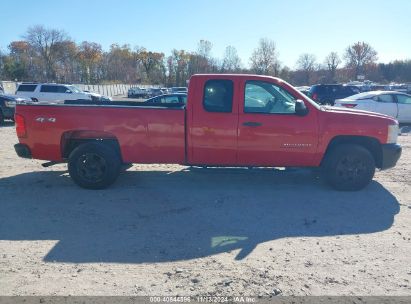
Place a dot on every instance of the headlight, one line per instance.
(10, 104)
(392, 134)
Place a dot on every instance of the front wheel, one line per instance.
(348, 167)
(94, 165)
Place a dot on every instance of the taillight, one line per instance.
(349, 105)
(20, 125)
(315, 96)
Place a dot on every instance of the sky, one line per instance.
(306, 26)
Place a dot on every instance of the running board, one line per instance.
(51, 163)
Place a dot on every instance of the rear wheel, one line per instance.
(1, 118)
(94, 165)
(348, 167)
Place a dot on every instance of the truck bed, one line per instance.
(145, 133)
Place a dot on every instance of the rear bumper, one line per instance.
(390, 155)
(22, 150)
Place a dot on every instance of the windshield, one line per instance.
(74, 89)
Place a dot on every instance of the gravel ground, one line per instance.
(174, 230)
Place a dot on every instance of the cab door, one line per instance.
(404, 108)
(212, 120)
(386, 104)
(269, 131)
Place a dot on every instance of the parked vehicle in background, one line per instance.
(137, 93)
(326, 94)
(403, 88)
(379, 87)
(152, 92)
(55, 93)
(179, 90)
(7, 106)
(394, 104)
(178, 98)
(304, 89)
(229, 120)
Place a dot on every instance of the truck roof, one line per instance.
(236, 76)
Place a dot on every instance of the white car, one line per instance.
(394, 104)
(55, 93)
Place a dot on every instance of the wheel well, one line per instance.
(70, 144)
(369, 143)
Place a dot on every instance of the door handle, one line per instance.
(252, 124)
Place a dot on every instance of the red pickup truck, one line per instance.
(229, 120)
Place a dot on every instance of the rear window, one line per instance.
(26, 88)
(318, 89)
(348, 90)
(364, 95)
(336, 89)
(169, 99)
(218, 95)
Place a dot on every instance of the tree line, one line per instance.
(51, 55)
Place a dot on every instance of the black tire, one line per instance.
(348, 167)
(1, 118)
(94, 165)
(34, 99)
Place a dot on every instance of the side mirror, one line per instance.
(68, 91)
(300, 108)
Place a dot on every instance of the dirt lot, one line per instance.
(173, 230)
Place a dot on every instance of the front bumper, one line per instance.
(390, 155)
(22, 150)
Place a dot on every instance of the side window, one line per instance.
(218, 95)
(265, 97)
(63, 89)
(26, 88)
(386, 98)
(170, 99)
(49, 89)
(404, 99)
